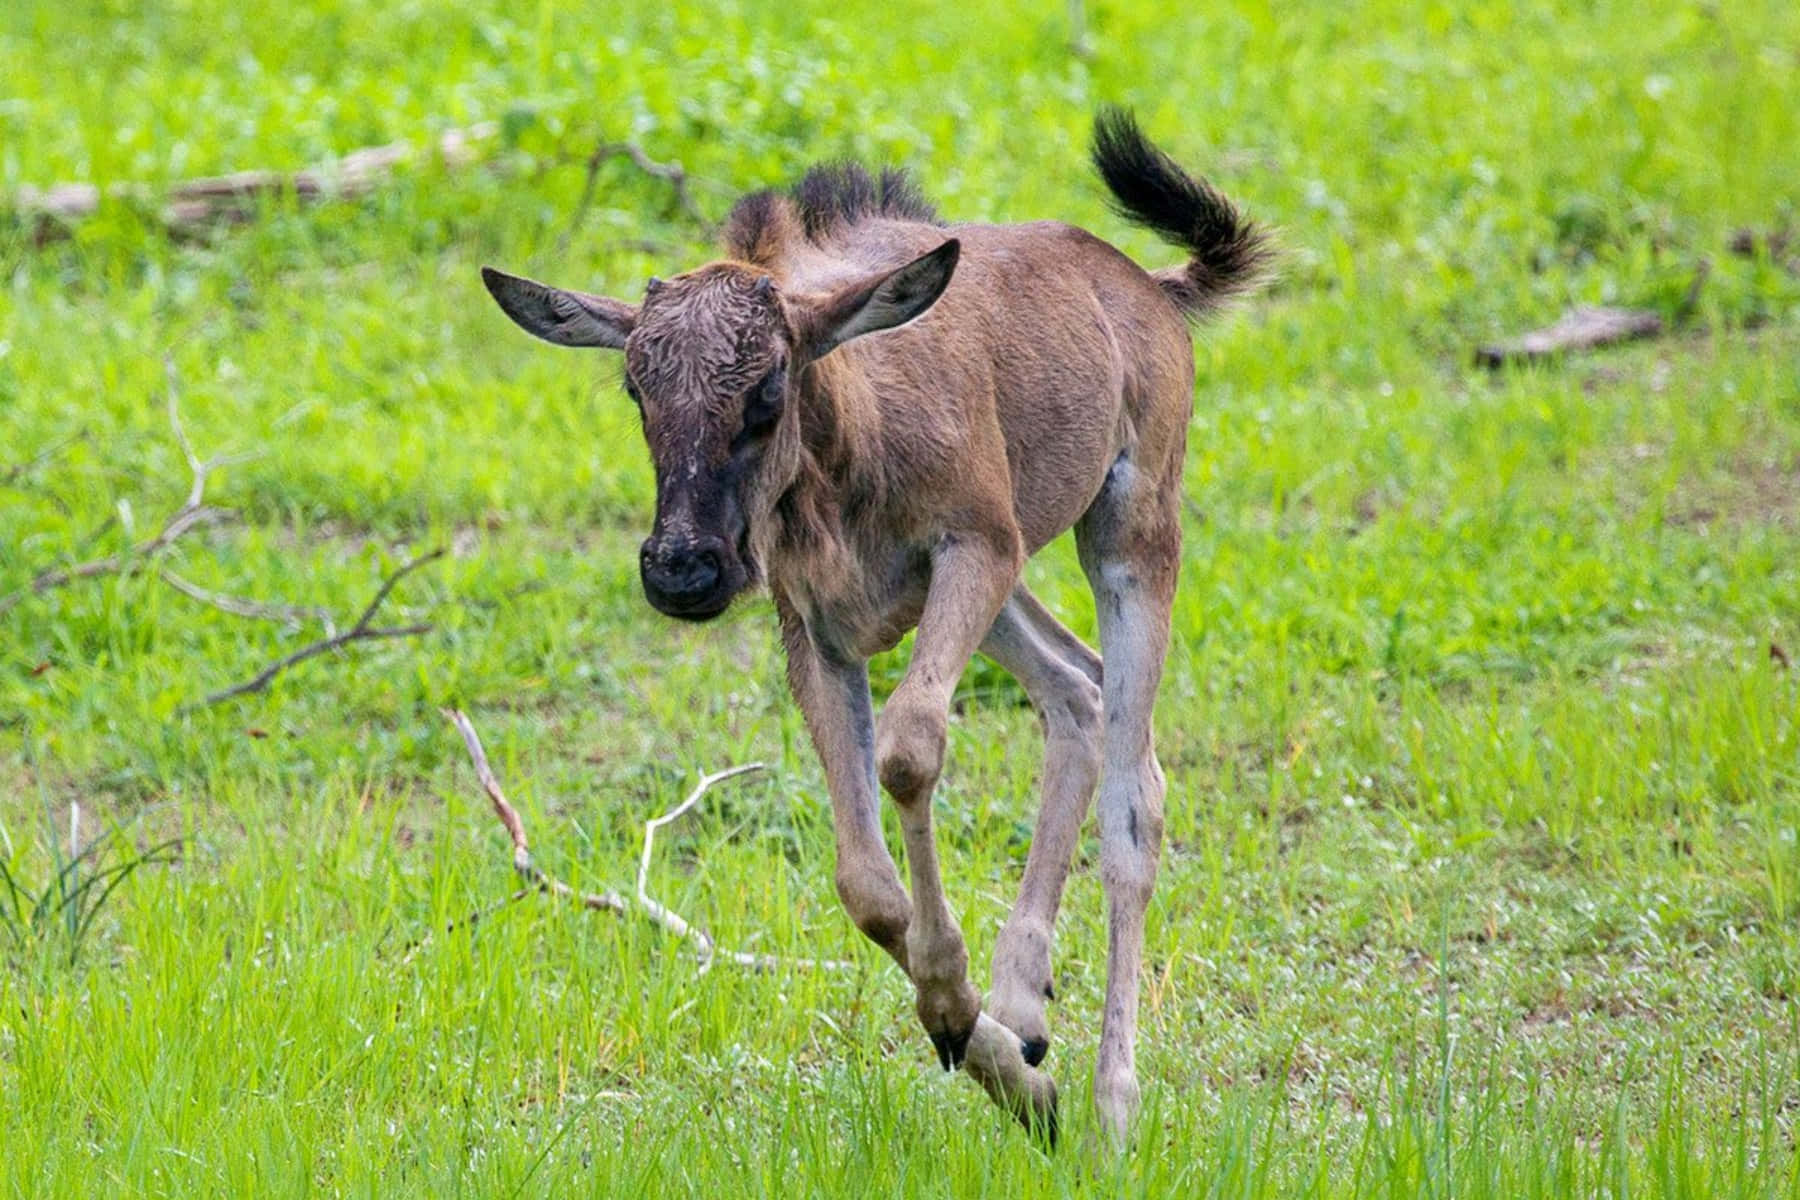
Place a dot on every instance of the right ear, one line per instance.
(565, 318)
(875, 302)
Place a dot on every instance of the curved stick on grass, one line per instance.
(705, 949)
(364, 630)
(673, 172)
(291, 615)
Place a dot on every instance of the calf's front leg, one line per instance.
(970, 580)
(834, 698)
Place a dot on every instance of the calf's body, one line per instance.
(881, 418)
(983, 418)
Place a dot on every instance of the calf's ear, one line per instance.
(563, 317)
(873, 303)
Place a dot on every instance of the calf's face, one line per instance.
(712, 360)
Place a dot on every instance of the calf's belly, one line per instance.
(1059, 461)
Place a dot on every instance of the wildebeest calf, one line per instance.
(881, 417)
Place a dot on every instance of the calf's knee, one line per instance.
(878, 907)
(909, 748)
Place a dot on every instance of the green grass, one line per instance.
(1482, 875)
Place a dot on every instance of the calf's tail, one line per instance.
(1228, 254)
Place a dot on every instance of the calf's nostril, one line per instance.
(702, 571)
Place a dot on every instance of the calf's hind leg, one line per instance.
(1130, 547)
(1062, 677)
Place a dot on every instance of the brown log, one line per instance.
(1580, 329)
(229, 198)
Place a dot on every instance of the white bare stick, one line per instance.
(675, 923)
(706, 950)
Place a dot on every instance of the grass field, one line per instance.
(1482, 875)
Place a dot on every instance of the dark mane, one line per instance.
(830, 197)
(833, 195)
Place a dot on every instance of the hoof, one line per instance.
(997, 1062)
(952, 1048)
(1022, 984)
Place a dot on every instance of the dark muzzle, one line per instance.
(686, 578)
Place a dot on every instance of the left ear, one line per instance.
(873, 303)
(560, 316)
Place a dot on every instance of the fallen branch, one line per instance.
(706, 950)
(672, 171)
(1748, 243)
(364, 630)
(20, 470)
(193, 513)
(515, 828)
(232, 198)
(291, 615)
(1580, 329)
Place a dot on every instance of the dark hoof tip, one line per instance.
(952, 1048)
(1034, 1051)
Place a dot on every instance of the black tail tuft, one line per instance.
(1229, 252)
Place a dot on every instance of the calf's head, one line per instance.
(713, 360)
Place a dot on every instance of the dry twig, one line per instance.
(515, 827)
(364, 630)
(291, 615)
(705, 949)
(19, 470)
(672, 171)
(193, 513)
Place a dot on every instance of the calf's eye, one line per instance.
(762, 406)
